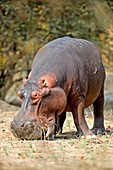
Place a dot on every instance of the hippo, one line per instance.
(67, 75)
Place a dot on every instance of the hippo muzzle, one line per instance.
(27, 128)
(36, 118)
(32, 127)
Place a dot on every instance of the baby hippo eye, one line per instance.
(35, 94)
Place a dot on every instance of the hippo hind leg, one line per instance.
(98, 106)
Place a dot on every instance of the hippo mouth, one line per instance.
(32, 131)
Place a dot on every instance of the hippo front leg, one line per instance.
(60, 121)
(75, 118)
(81, 118)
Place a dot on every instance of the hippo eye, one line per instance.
(35, 95)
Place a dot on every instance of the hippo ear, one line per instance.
(59, 99)
(44, 88)
(42, 83)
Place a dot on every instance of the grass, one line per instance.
(65, 152)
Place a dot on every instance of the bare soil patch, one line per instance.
(65, 152)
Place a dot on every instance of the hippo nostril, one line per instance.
(29, 124)
(22, 125)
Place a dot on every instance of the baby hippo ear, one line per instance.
(59, 99)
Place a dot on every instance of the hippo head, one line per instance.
(39, 106)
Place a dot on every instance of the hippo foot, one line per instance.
(89, 137)
(59, 133)
(51, 137)
(99, 131)
(79, 133)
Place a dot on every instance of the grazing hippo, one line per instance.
(67, 75)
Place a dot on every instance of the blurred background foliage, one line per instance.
(27, 25)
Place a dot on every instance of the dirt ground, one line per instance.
(65, 152)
